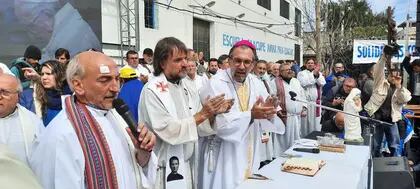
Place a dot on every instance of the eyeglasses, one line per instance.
(7, 93)
(238, 61)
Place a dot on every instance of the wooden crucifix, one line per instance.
(392, 32)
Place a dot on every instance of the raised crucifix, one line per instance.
(392, 32)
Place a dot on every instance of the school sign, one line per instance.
(368, 51)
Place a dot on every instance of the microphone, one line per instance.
(125, 113)
(292, 95)
(309, 150)
(143, 156)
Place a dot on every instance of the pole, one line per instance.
(318, 30)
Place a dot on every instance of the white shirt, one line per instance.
(13, 132)
(59, 162)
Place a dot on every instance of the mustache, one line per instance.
(111, 96)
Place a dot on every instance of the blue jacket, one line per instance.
(330, 83)
(130, 94)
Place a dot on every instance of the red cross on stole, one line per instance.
(162, 86)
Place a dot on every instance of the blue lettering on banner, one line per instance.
(229, 41)
(375, 51)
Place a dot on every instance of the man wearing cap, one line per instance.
(232, 155)
(26, 70)
(145, 67)
(130, 90)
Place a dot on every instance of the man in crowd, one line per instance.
(312, 81)
(18, 126)
(88, 144)
(260, 68)
(266, 147)
(130, 91)
(335, 78)
(291, 111)
(385, 104)
(146, 65)
(201, 64)
(212, 69)
(336, 96)
(275, 71)
(26, 70)
(233, 155)
(334, 125)
(62, 55)
(173, 112)
(295, 68)
(193, 79)
(223, 62)
(413, 70)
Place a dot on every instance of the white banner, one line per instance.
(368, 51)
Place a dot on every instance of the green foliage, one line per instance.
(345, 21)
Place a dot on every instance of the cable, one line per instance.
(235, 20)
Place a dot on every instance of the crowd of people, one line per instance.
(200, 124)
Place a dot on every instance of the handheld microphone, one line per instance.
(309, 150)
(143, 156)
(125, 113)
(292, 95)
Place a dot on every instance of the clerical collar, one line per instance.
(93, 107)
(97, 110)
(174, 81)
(14, 113)
(287, 80)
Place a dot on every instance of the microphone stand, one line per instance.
(369, 130)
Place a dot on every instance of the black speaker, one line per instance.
(392, 173)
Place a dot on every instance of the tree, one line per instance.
(344, 21)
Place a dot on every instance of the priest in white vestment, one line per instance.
(88, 145)
(172, 110)
(232, 155)
(19, 127)
(291, 110)
(312, 81)
(266, 145)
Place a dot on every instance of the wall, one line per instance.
(222, 32)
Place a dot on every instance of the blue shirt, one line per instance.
(130, 94)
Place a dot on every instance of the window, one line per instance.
(284, 9)
(201, 37)
(149, 14)
(298, 22)
(264, 3)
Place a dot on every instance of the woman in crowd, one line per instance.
(49, 90)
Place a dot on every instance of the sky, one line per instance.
(402, 7)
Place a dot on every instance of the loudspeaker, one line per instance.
(392, 173)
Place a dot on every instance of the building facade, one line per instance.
(274, 26)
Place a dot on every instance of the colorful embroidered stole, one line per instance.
(282, 98)
(99, 167)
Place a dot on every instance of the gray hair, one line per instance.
(19, 88)
(74, 70)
